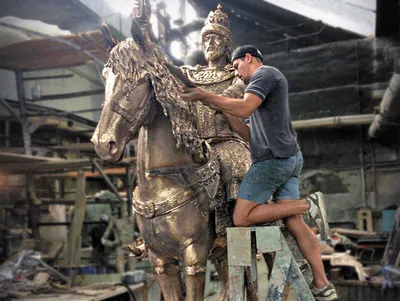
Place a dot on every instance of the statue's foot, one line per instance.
(219, 247)
(139, 249)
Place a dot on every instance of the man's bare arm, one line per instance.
(239, 126)
(241, 108)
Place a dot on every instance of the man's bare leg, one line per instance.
(248, 213)
(308, 245)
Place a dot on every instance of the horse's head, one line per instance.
(128, 99)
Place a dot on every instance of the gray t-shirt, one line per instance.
(271, 131)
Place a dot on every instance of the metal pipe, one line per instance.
(389, 109)
(61, 76)
(335, 121)
(69, 95)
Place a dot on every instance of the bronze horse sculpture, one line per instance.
(178, 174)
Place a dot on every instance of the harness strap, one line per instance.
(149, 209)
(192, 177)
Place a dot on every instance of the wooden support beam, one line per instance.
(75, 231)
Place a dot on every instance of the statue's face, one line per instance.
(214, 46)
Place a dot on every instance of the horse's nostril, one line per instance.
(112, 147)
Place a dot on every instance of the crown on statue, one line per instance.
(217, 22)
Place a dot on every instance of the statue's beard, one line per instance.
(214, 55)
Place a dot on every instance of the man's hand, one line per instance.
(193, 94)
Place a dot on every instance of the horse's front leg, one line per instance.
(195, 260)
(168, 277)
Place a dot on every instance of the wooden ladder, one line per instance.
(243, 243)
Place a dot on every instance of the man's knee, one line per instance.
(241, 214)
(240, 219)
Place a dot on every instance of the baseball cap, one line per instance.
(242, 50)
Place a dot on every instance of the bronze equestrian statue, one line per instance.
(184, 168)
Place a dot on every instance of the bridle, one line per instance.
(134, 118)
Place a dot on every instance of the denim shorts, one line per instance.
(278, 178)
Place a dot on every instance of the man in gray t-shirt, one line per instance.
(276, 156)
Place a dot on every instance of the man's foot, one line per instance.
(326, 293)
(318, 214)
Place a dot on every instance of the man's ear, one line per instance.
(248, 57)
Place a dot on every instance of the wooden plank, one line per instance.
(8, 156)
(88, 174)
(41, 166)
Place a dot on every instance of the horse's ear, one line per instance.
(141, 27)
(109, 40)
(138, 34)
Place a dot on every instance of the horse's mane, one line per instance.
(130, 61)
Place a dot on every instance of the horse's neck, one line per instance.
(157, 148)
